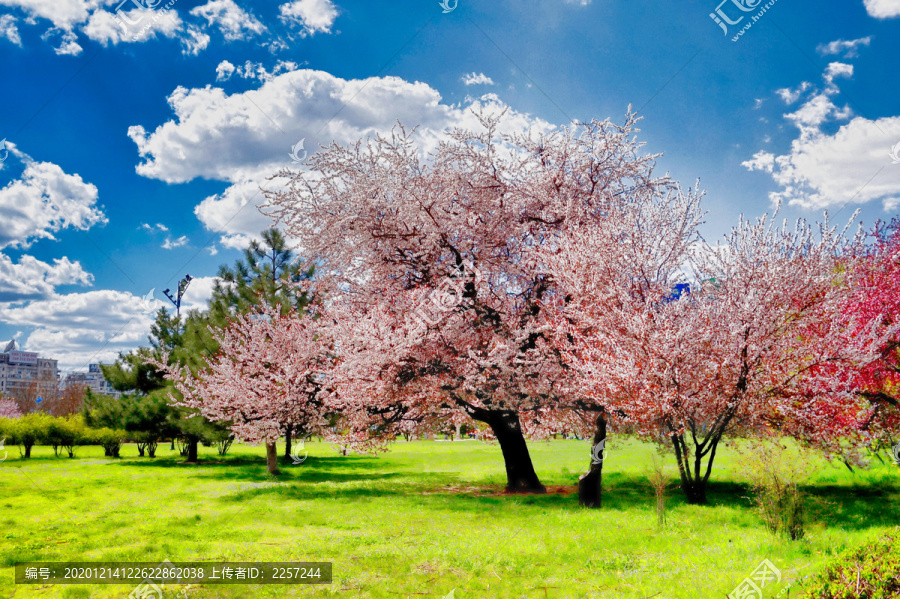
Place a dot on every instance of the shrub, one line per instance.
(870, 571)
(658, 477)
(65, 433)
(110, 439)
(27, 431)
(775, 473)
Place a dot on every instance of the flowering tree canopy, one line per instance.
(9, 409)
(269, 371)
(736, 352)
(435, 259)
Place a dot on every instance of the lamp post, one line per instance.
(182, 287)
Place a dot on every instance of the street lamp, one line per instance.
(182, 287)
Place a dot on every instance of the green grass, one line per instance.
(420, 521)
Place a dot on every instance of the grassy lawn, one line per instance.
(419, 521)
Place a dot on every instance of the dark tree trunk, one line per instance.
(151, 449)
(27, 451)
(140, 448)
(590, 484)
(192, 450)
(287, 440)
(272, 458)
(520, 475)
(693, 482)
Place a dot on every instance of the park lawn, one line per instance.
(422, 520)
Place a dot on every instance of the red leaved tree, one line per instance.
(733, 354)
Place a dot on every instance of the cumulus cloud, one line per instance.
(95, 326)
(224, 71)
(43, 201)
(311, 16)
(66, 42)
(477, 79)
(233, 21)
(63, 14)
(194, 41)
(31, 278)
(234, 139)
(883, 9)
(134, 25)
(823, 169)
(844, 48)
(81, 328)
(9, 30)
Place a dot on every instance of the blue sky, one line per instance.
(137, 138)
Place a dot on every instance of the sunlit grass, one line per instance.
(420, 521)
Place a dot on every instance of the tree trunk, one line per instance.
(590, 484)
(151, 449)
(27, 451)
(287, 440)
(271, 458)
(192, 450)
(693, 483)
(520, 475)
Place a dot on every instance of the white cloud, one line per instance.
(232, 138)
(134, 25)
(171, 244)
(67, 43)
(312, 16)
(477, 79)
(253, 70)
(838, 69)
(762, 161)
(224, 71)
(80, 328)
(64, 14)
(829, 170)
(844, 48)
(883, 9)
(9, 30)
(44, 201)
(31, 278)
(233, 21)
(198, 293)
(789, 96)
(194, 41)
(157, 226)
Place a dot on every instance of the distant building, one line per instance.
(20, 370)
(93, 380)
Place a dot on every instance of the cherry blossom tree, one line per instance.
(9, 409)
(435, 259)
(734, 354)
(269, 370)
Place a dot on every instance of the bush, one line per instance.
(871, 571)
(65, 433)
(775, 473)
(110, 439)
(27, 431)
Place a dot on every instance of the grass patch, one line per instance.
(421, 520)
